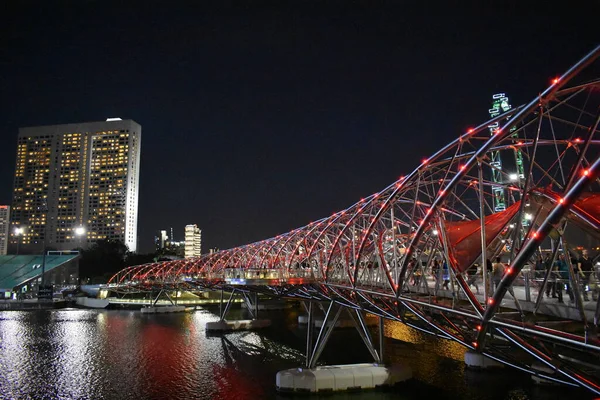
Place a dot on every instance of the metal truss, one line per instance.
(404, 253)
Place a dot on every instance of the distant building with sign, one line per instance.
(4, 225)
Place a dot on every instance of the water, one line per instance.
(91, 354)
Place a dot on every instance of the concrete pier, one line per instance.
(91, 302)
(475, 360)
(164, 309)
(341, 378)
(545, 370)
(270, 305)
(239, 325)
(341, 323)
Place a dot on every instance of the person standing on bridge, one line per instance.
(562, 278)
(436, 272)
(472, 281)
(551, 283)
(446, 275)
(497, 272)
(488, 275)
(585, 268)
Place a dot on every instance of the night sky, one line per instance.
(260, 117)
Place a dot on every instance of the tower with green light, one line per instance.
(501, 105)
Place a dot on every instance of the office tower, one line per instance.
(76, 184)
(193, 241)
(4, 216)
(160, 241)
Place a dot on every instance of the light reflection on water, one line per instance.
(91, 354)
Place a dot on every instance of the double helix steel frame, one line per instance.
(374, 255)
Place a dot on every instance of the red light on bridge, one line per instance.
(509, 271)
(490, 301)
(561, 200)
(586, 172)
(475, 344)
(555, 81)
(478, 327)
(471, 130)
(425, 161)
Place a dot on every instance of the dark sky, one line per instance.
(260, 117)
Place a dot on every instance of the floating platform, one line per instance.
(164, 309)
(239, 325)
(341, 378)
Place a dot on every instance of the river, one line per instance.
(121, 354)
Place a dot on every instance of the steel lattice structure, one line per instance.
(368, 255)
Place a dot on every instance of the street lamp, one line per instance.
(18, 232)
(79, 232)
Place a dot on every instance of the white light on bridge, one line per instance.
(528, 217)
(435, 232)
(513, 177)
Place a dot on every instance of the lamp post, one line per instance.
(18, 232)
(44, 209)
(79, 232)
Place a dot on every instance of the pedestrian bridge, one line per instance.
(521, 186)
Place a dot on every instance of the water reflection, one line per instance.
(89, 354)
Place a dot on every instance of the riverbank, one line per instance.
(35, 304)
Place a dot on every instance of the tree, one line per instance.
(102, 260)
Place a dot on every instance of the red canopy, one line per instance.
(464, 237)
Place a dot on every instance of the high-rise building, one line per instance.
(193, 241)
(76, 184)
(4, 226)
(160, 241)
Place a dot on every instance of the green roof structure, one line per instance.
(17, 270)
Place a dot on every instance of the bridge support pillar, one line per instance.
(223, 325)
(475, 360)
(332, 378)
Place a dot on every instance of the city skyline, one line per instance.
(255, 129)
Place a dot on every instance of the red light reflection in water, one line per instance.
(234, 384)
(160, 347)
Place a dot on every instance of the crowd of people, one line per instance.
(586, 276)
